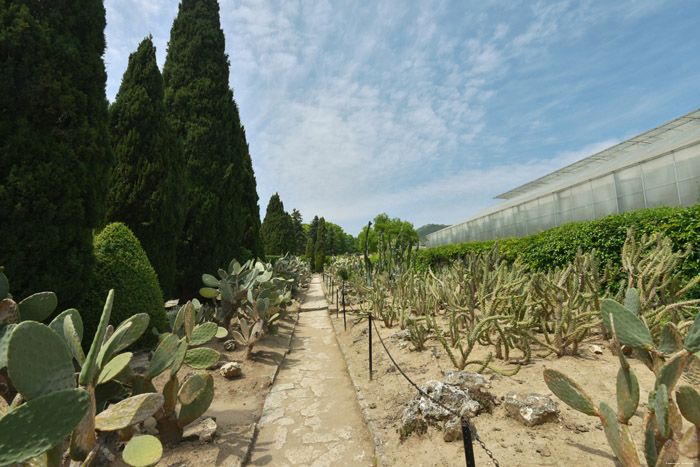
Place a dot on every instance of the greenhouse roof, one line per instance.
(666, 131)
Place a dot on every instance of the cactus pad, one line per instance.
(221, 332)
(689, 404)
(208, 292)
(37, 307)
(5, 332)
(72, 340)
(650, 452)
(201, 358)
(200, 395)
(38, 360)
(210, 281)
(170, 391)
(111, 345)
(627, 393)
(36, 426)
(692, 339)
(142, 451)
(4, 286)
(670, 340)
(669, 453)
(114, 367)
(190, 316)
(163, 356)
(632, 301)
(179, 357)
(569, 392)
(89, 371)
(141, 385)
(203, 333)
(57, 323)
(8, 312)
(617, 436)
(661, 410)
(631, 330)
(690, 443)
(672, 370)
(139, 324)
(106, 391)
(128, 412)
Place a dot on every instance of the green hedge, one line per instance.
(557, 247)
(122, 265)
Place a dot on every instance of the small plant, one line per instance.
(419, 426)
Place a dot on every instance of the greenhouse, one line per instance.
(660, 167)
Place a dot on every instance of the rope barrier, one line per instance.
(465, 423)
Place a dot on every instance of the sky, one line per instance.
(426, 110)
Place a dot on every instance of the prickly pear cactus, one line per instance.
(142, 451)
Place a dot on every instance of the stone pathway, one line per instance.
(311, 416)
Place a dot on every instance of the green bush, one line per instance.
(557, 247)
(122, 265)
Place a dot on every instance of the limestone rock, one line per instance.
(452, 430)
(466, 380)
(400, 336)
(596, 349)
(231, 370)
(531, 409)
(230, 345)
(203, 430)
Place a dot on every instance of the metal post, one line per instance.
(337, 305)
(345, 323)
(370, 345)
(468, 448)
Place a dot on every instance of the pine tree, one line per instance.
(277, 229)
(252, 241)
(55, 156)
(147, 192)
(299, 234)
(202, 111)
(321, 245)
(310, 257)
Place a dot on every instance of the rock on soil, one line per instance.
(231, 370)
(466, 380)
(531, 409)
(203, 430)
(230, 345)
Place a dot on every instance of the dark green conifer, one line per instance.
(55, 156)
(252, 241)
(277, 229)
(147, 192)
(310, 258)
(299, 234)
(201, 109)
(320, 245)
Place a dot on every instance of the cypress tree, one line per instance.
(313, 230)
(252, 241)
(147, 190)
(277, 229)
(54, 144)
(310, 258)
(201, 109)
(299, 234)
(321, 245)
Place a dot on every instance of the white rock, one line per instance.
(231, 370)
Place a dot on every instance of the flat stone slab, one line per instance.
(314, 299)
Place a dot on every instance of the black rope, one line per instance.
(448, 409)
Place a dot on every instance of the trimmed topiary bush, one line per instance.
(122, 265)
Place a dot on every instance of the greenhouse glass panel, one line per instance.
(629, 181)
(564, 217)
(509, 231)
(666, 195)
(582, 196)
(519, 213)
(496, 220)
(508, 217)
(584, 213)
(605, 208)
(603, 188)
(531, 210)
(563, 201)
(658, 172)
(690, 191)
(548, 222)
(520, 229)
(688, 162)
(533, 226)
(631, 202)
(546, 205)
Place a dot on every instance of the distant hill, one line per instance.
(428, 229)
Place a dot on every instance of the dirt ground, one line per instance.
(576, 439)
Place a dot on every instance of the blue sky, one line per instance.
(427, 110)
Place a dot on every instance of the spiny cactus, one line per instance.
(663, 438)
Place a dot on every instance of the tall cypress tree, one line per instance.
(252, 240)
(147, 191)
(201, 109)
(277, 229)
(54, 143)
(299, 234)
(321, 245)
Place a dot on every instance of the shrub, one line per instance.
(122, 265)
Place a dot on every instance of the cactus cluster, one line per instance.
(664, 439)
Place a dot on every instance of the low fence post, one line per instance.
(468, 448)
(345, 324)
(369, 314)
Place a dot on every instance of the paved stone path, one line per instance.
(311, 416)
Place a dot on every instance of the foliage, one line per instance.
(663, 438)
(252, 241)
(54, 143)
(147, 192)
(123, 265)
(320, 249)
(299, 233)
(202, 111)
(277, 229)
